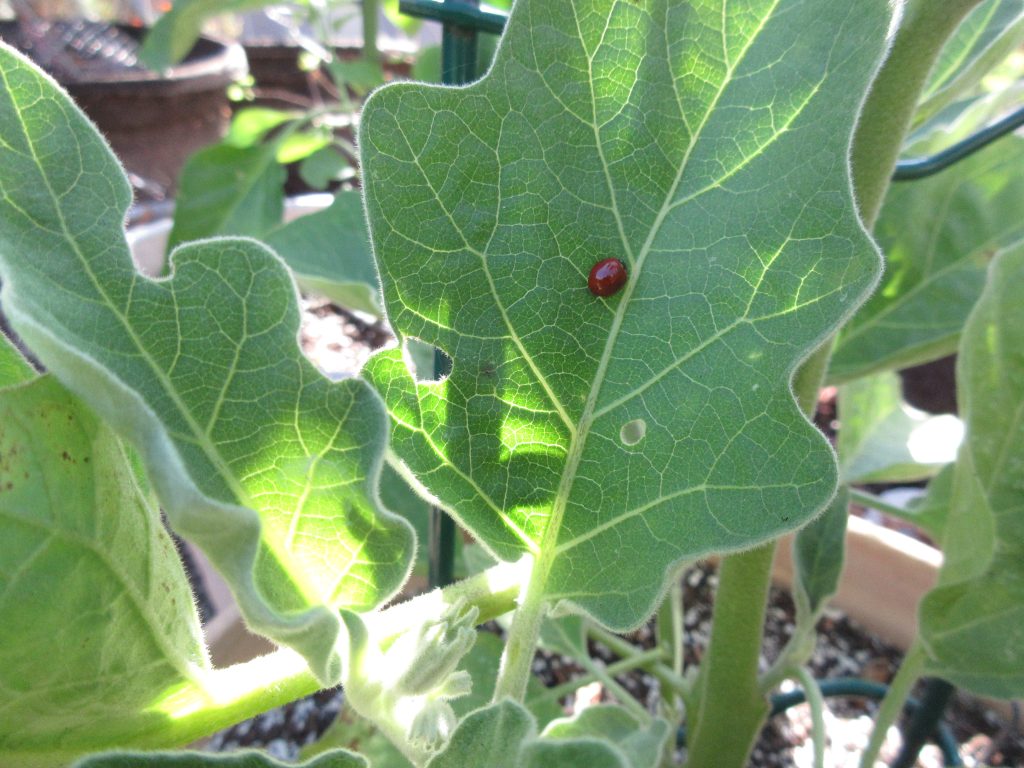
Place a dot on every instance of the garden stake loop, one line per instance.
(919, 168)
(851, 686)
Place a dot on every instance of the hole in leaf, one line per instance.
(633, 432)
(426, 362)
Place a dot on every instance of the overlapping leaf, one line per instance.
(972, 624)
(97, 621)
(704, 145)
(939, 235)
(991, 31)
(265, 464)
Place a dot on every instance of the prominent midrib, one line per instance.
(548, 545)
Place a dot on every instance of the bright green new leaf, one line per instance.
(225, 190)
(643, 746)
(972, 624)
(329, 253)
(174, 33)
(991, 31)
(939, 235)
(256, 457)
(14, 369)
(336, 759)
(703, 145)
(884, 440)
(97, 621)
(504, 735)
(251, 125)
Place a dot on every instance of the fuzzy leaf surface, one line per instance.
(257, 458)
(97, 620)
(972, 624)
(504, 735)
(704, 146)
(939, 235)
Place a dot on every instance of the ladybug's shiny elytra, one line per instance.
(607, 277)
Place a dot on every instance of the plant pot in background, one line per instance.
(152, 121)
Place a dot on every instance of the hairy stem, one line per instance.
(889, 108)
(731, 707)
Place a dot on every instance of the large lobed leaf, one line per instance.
(703, 144)
(97, 622)
(972, 624)
(265, 464)
(939, 235)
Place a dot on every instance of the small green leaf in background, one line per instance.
(329, 253)
(174, 33)
(931, 511)
(818, 554)
(504, 735)
(97, 620)
(14, 368)
(228, 190)
(938, 235)
(246, 759)
(719, 177)
(251, 125)
(324, 166)
(991, 31)
(972, 624)
(266, 465)
(642, 746)
(884, 440)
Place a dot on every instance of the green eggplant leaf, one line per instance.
(819, 549)
(504, 735)
(258, 459)
(989, 33)
(227, 190)
(931, 512)
(972, 623)
(329, 253)
(642, 746)
(938, 234)
(247, 759)
(97, 621)
(14, 368)
(884, 440)
(704, 146)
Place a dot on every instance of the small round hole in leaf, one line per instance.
(633, 432)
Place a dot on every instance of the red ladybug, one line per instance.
(607, 277)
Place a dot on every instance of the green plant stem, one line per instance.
(668, 679)
(608, 680)
(639, 661)
(872, 501)
(893, 703)
(817, 704)
(730, 705)
(889, 108)
(371, 16)
(523, 634)
(670, 638)
(245, 690)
